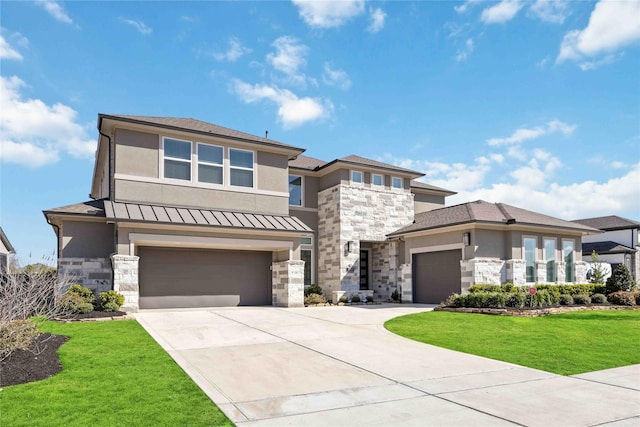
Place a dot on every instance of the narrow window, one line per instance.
(568, 253)
(295, 190)
(241, 167)
(377, 180)
(305, 255)
(550, 259)
(396, 182)
(356, 176)
(530, 258)
(210, 164)
(177, 159)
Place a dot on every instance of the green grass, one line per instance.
(565, 344)
(114, 374)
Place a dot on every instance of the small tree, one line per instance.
(620, 280)
(597, 272)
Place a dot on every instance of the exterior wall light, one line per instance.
(350, 246)
(466, 238)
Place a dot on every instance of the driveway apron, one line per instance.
(320, 366)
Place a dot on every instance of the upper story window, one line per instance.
(396, 182)
(210, 164)
(377, 180)
(177, 159)
(295, 190)
(356, 177)
(529, 244)
(241, 167)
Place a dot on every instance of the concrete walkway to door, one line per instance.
(326, 366)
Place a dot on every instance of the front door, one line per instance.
(364, 270)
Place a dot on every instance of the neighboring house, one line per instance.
(449, 249)
(187, 213)
(5, 250)
(618, 244)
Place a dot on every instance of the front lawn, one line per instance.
(565, 344)
(113, 374)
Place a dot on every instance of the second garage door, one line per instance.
(171, 278)
(436, 275)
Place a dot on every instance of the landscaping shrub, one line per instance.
(582, 299)
(573, 289)
(598, 299)
(395, 295)
(542, 298)
(637, 295)
(85, 293)
(566, 299)
(515, 300)
(314, 299)
(508, 287)
(480, 288)
(111, 299)
(355, 298)
(343, 299)
(620, 280)
(73, 304)
(621, 298)
(369, 298)
(16, 335)
(312, 289)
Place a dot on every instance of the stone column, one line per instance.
(541, 272)
(288, 283)
(560, 271)
(581, 268)
(125, 280)
(516, 272)
(406, 283)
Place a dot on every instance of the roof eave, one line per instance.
(412, 174)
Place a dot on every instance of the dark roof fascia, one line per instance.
(6, 242)
(628, 227)
(432, 191)
(199, 132)
(361, 165)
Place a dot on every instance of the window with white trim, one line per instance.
(568, 254)
(356, 177)
(550, 258)
(295, 190)
(396, 182)
(240, 167)
(377, 180)
(529, 247)
(210, 164)
(177, 159)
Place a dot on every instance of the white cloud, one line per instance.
(289, 58)
(553, 11)
(337, 78)
(292, 111)
(55, 9)
(525, 134)
(376, 18)
(592, 65)
(612, 25)
(235, 51)
(501, 12)
(462, 8)
(465, 51)
(7, 51)
(34, 133)
(140, 26)
(328, 14)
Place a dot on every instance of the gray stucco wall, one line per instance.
(136, 153)
(272, 172)
(311, 189)
(83, 239)
(428, 241)
(427, 202)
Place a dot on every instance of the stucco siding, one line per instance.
(429, 241)
(489, 244)
(83, 239)
(272, 172)
(341, 176)
(136, 153)
(310, 191)
(427, 202)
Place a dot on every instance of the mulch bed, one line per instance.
(37, 363)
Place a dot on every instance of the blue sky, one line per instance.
(535, 104)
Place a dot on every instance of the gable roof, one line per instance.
(306, 162)
(6, 242)
(607, 247)
(607, 223)
(488, 213)
(194, 125)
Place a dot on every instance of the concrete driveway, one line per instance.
(338, 366)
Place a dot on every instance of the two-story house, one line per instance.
(185, 213)
(618, 244)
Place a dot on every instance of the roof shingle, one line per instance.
(607, 247)
(611, 222)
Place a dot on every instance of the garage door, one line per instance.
(436, 275)
(172, 278)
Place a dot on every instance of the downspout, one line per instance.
(108, 162)
(57, 230)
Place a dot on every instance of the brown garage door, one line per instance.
(203, 278)
(436, 275)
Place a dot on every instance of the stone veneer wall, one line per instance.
(92, 273)
(491, 271)
(288, 283)
(405, 283)
(384, 269)
(125, 280)
(349, 213)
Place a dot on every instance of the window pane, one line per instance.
(306, 257)
(210, 174)
(396, 182)
(242, 159)
(550, 259)
(377, 179)
(295, 190)
(530, 258)
(177, 170)
(356, 176)
(567, 250)
(210, 154)
(241, 178)
(305, 240)
(177, 149)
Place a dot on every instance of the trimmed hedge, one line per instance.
(569, 289)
